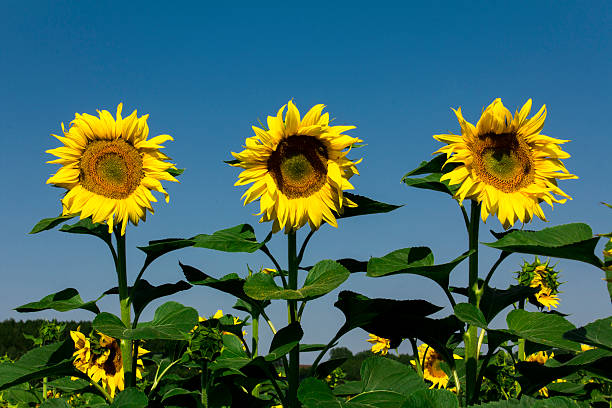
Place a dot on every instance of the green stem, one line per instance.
(124, 302)
(204, 383)
(294, 355)
(315, 364)
(102, 390)
(44, 388)
(303, 248)
(503, 255)
(474, 294)
(266, 251)
(521, 341)
(255, 339)
(415, 352)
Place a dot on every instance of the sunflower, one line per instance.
(506, 164)
(430, 362)
(106, 364)
(109, 168)
(379, 344)
(543, 276)
(298, 168)
(541, 357)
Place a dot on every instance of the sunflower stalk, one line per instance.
(294, 354)
(124, 302)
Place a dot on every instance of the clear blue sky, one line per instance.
(205, 75)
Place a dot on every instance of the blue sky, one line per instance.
(205, 75)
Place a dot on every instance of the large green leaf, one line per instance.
(324, 277)
(541, 328)
(365, 206)
(379, 373)
(315, 393)
(597, 333)
(130, 398)
(87, 227)
(470, 314)
(62, 301)
(431, 399)
(172, 321)
(285, 340)
(529, 402)
(240, 238)
(434, 170)
(376, 399)
(155, 249)
(231, 283)
(417, 261)
(55, 403)
(50, 360)
(144, 293)
(50, 223)
(569, 241)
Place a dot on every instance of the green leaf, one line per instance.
(304, 348)
(494, 300)
(348, 388)
(240, 238)
(87, 227)
(434, 170)
(324, 277)
(365, 206)
(376, 399)
(315, 393)
(179, 391)
(62, 301)
(172, 321)
(285, 340)
(597, 333)
(569, 241)
(175, 172)
(470, 314)
(231, 283)
(417, 261)
(130, 398)
(541, 328)
(325, 368)
(50, 360)
(67, 385)
(433, 166)
(155, 249)
(55, 403)
(379, 373)
(50, 223)
(144, 293)
(529, 402)
(431, 399)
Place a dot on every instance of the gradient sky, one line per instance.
(205, 75)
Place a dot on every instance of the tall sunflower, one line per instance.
(299, 169)
(506, 164)
(109, 168)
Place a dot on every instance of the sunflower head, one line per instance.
(430, 361)
(505, 163)
(379, 344)
(110, 168)
(544, 276)
(299, 169)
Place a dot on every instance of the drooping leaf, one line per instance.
(62, 301)
(240, 238)
(155, 249)
(130, 398)
(365, 206)
(324, 277)
(434, 169)
(285, 340)
(144, 293)
(569, 241)
(50, 223)
(304, 348)
(87, 227)
(597, 333)
(542, 328)
(315, 393)
(379, 373)
(231, 283)
(417, 261)
(431, 399)
(470, 314)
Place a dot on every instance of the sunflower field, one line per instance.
(299, 168)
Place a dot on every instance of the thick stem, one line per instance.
(124, 302)
(255, 339)
(415, 352)
(521, 341)
(204, 384)
(44, 388)
(474, 293)
(294, 355)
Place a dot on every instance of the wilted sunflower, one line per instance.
(545, 277)
(430, 362)
(298, 168)
(106, 365)
(379, 344)
(109, 168)
(506, 164)
(541, 357)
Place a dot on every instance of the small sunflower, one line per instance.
(379, 344)
(544, 276)
(110, 168)
(298, 168)
(541, 357)
(506, 164)
(103, 363)
(430, 362)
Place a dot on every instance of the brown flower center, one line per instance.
(111, 169)
(113, 363)
(299, 165)
(503, 161)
